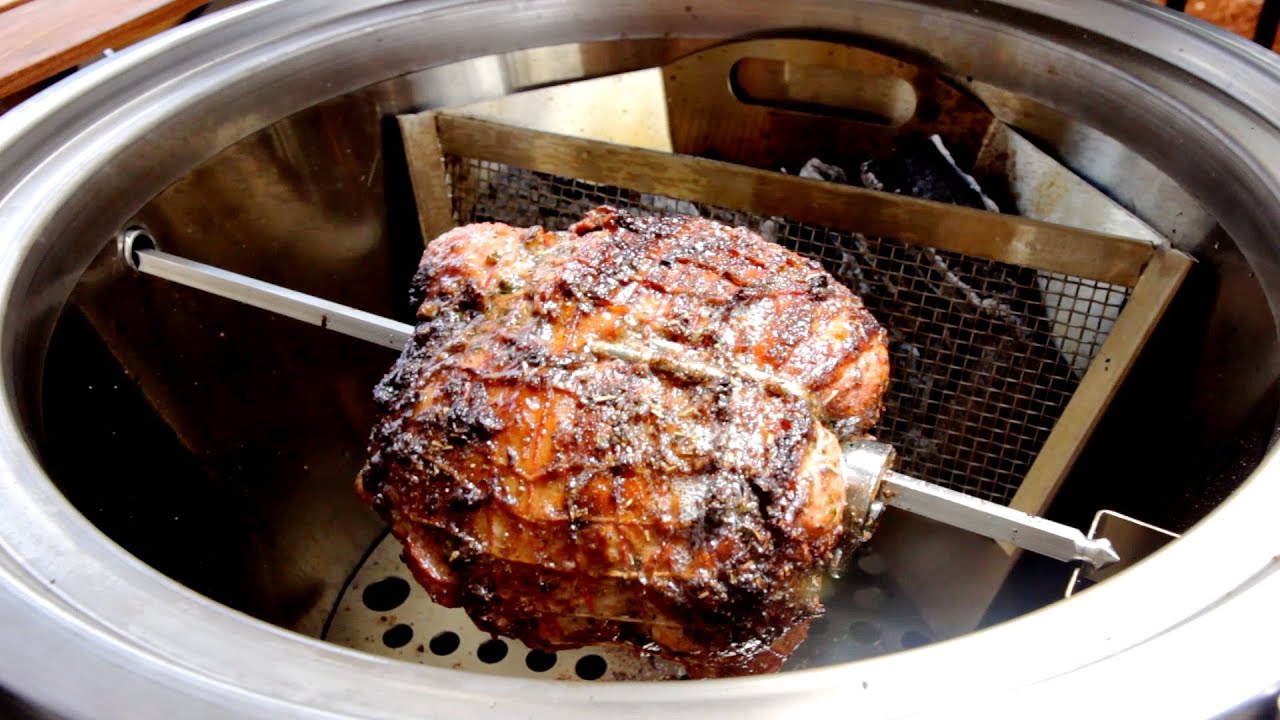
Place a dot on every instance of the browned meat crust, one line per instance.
(553, 465)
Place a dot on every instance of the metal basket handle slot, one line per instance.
(776, 103)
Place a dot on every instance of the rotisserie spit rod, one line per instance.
(872, 483)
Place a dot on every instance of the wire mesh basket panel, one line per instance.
(985, 354)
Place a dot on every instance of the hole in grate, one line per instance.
(590, 667)
(444, 643)
(397, 636)
(491, 651)
(914, 639)
(870, 598)
(387, 594)
(864, 633)
(540, 661)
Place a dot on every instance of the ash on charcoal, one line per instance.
(815, 169)
(924, 168)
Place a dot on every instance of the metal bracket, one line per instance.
(1133, 540)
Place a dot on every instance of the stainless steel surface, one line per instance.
(865, 463)
(1127, 177)
(995, 521)
(1133, 540)
(845, 104)
(116, 639)
(139, 251)
(1034, 184)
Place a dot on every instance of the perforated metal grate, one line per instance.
(985, 355)
(384, 611)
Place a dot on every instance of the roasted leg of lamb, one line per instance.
(628, 432)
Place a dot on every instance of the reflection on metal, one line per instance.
(637, 114)
(815, 113)
(139, 252)
(1134, 540)
(300, 204)
(865, 464)
(1000, 523)
(1128, 179)
(471, 84)
(1037, 186)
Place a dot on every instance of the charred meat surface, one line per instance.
(626, 433)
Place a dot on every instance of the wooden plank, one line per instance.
(431, 192)
(41, 38)
(1146, 304)
(1007, 238)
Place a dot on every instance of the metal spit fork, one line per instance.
(871, 482)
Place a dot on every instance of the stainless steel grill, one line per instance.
(986, 354)
(232, 473)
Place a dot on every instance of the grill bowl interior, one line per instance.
(985, 361)
(258, 515)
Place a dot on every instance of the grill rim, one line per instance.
(44, 541)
